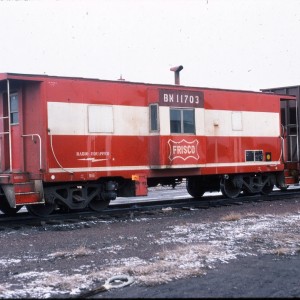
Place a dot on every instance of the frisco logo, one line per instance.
(183, 149)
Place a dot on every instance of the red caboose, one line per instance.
(75, 143)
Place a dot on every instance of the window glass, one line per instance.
(175, 119)
(182, 120)
(188, 121)
(153, 117)
(14, 109)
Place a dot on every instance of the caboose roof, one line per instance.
(44, 77)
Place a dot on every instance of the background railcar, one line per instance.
(290, 116)
(72, 143)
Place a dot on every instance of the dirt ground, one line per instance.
(249, 250)
(266, 276)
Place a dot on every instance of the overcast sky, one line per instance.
(236, 44)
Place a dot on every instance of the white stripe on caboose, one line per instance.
(73, 119)
(121, 120)
(244, 123)
(139, 168)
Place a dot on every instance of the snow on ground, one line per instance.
(188, 250)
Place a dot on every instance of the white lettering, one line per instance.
(92, 153)
(183, 150)
(178, 149)
(82, 153)
(179, 97)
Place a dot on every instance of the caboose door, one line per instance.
(11, 136)
(16, 132)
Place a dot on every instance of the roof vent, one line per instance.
(121, 78)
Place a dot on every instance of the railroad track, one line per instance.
(125, 210)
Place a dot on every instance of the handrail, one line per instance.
(51, 144)
(9, 126)
(40, 140)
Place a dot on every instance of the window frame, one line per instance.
(151, 121)
(182, 120)
(15, 112)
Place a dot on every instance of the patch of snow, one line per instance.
(187, 250)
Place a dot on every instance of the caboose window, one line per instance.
(153, 117)
(14, 109)
(188, 121)
(182, 120)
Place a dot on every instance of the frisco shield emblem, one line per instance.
(183, 149)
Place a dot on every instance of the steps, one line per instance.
(24, 190)
(289, 178)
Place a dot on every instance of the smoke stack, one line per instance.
(176, 71)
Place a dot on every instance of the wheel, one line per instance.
(41, 210)
(194, 189)
(6, 209)
(267, 189)
(228, 188)
(246, 192)
(98, 204)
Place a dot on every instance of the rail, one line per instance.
(40, 141)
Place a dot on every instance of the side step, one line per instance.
(25, 193)
(289, 178)
(28, 198)
(22, 191)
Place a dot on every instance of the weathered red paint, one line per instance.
(154, 155)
